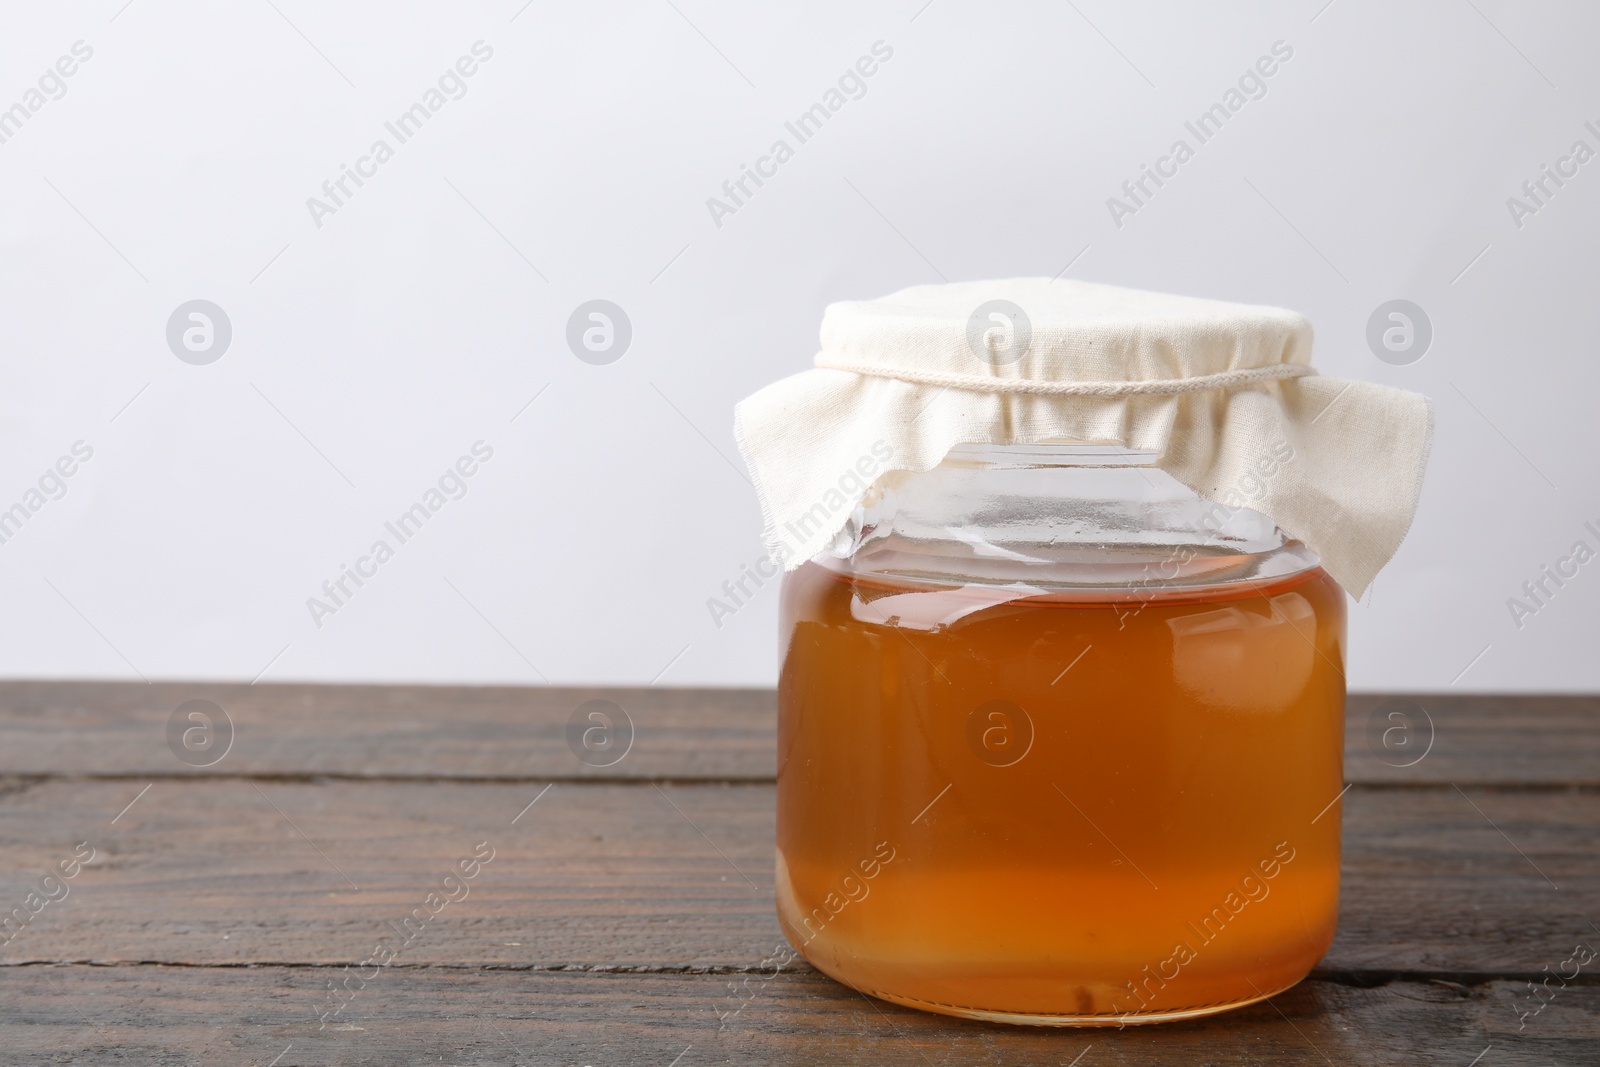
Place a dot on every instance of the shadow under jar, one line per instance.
(1059, 743)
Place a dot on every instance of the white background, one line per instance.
(370, 352)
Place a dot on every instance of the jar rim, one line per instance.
(1049, 453)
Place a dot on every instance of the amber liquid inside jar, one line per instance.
(1059, 744)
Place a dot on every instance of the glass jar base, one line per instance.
(1032, 1019)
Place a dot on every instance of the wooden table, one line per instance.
(626, 914)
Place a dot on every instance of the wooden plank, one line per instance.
(1436, 881)
(1473, 739)
(270, 1015)
(118, 728)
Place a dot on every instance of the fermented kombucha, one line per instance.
(1070, 806)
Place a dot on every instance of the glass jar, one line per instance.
(1060, 742)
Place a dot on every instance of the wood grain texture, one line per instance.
(264, 1015)
(116, 728)
(86, 729)
(636, 875)
(1483, 740)
(626, 911)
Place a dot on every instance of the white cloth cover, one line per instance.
(1337, 464)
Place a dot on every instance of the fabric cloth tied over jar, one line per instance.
(1223, 394)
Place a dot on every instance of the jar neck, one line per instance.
(1060, 515)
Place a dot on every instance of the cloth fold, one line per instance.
(1222, 393)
